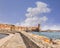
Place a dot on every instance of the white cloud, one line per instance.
(40, 8)
(32, 15)
(43, 19)
(51, 27)
(17, 24)
(33, 18)
(34, 21)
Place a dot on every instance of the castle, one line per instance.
(19, 28)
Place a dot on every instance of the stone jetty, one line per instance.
(22, 39)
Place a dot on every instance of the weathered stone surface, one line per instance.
(14, 42)
(27, 40)
(3, 40)
(29, 43)
(41, 41)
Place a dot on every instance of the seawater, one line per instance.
(3, 35)
(53, 35)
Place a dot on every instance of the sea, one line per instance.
(52, 35)
(3, 35)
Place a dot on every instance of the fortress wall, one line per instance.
(5, 27)
(17, 28)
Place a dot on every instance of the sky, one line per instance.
(31, 13)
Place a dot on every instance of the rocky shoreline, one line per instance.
(46, 42)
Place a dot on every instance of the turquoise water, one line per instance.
(53, 35)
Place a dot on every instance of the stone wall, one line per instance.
(18, 28)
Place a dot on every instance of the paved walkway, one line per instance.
(14, 41)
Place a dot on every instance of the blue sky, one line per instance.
(13, 11)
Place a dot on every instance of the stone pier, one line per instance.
(24, 39)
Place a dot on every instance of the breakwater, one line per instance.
(22, 39)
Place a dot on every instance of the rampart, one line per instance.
(18, 28)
